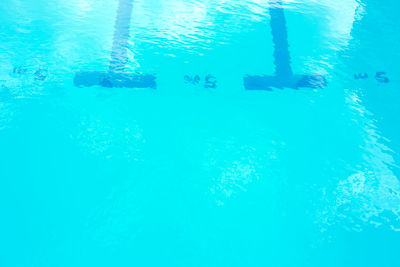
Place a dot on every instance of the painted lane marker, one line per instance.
(284, 77)
(115, 76)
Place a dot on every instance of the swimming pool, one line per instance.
(199, 133)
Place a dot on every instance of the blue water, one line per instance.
(199, 170)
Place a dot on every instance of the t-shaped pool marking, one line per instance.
(115, 76)
(284, 77)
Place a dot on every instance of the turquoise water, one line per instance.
(199, 171)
